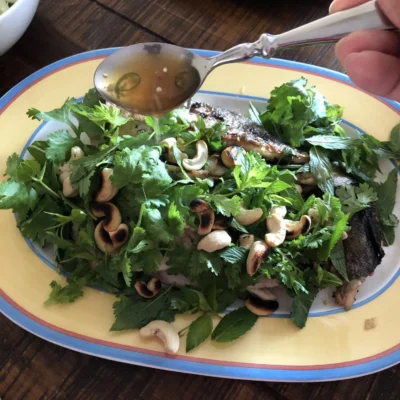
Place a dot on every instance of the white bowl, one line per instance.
(15, 21)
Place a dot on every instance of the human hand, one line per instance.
(372, 58)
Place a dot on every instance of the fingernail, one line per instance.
(330, 7)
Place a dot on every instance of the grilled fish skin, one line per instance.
(245, 133)
(363, 253)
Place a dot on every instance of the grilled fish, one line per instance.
(363, 253)
(245, 133)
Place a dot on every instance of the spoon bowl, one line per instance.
(150, 78)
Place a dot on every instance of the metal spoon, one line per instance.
(154, 78)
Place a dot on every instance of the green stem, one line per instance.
(51, 191)
(141, 212)
(182, 331)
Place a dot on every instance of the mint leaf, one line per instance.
(199, 330)
(338, 259)
(321, 168)
(234, 325)
(60, 145)
(333, 142)
(233, 255)
(395, 139)
(135, 312)
(127, 271)
(301, 307)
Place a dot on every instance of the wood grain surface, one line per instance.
(31, 368)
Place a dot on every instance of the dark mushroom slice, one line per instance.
(230, 156)
(150, 289)
(221, 222)
(206, 216)
(110, 242)
(260, 307)
(259, 251)
(110, 213)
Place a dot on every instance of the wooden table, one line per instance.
(31, 368)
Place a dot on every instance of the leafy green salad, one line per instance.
(5, 5)
(166, 216)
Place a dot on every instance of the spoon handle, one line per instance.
(334, 27)
(325, 30)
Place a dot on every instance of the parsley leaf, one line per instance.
(234, 325)
(199, 330)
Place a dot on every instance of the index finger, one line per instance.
(340, 5)
(391, 8)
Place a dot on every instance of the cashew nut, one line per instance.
(150, 289)
(299, 188)
(261, 307)
(112, 216)
(169, 143)
(259, 251)
(206, 215)
(306, 178)
(295, 228)
(110, 242)
(344, 235)
(277, 231)
(313, 214)
(165, 332)
(246, 240)
(263, 294)
(214, 241)
(107, 191)
(65, 172)
(215, 167)
(193, 174)
(198, 162)
(230, 156)
(280, 211)
(248, 217)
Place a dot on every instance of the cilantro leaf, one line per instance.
(234, 325)
(294, 110)
(199, 330)
(17, 196)
(225, 205)
(101, 114)
(64, 294)
(21, 170)
(356, 198)
(60, 145)
(321, 168)
(135, 312)
(175, 221)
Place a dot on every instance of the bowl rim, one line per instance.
(16, 6)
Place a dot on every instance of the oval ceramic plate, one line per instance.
(334, 344)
